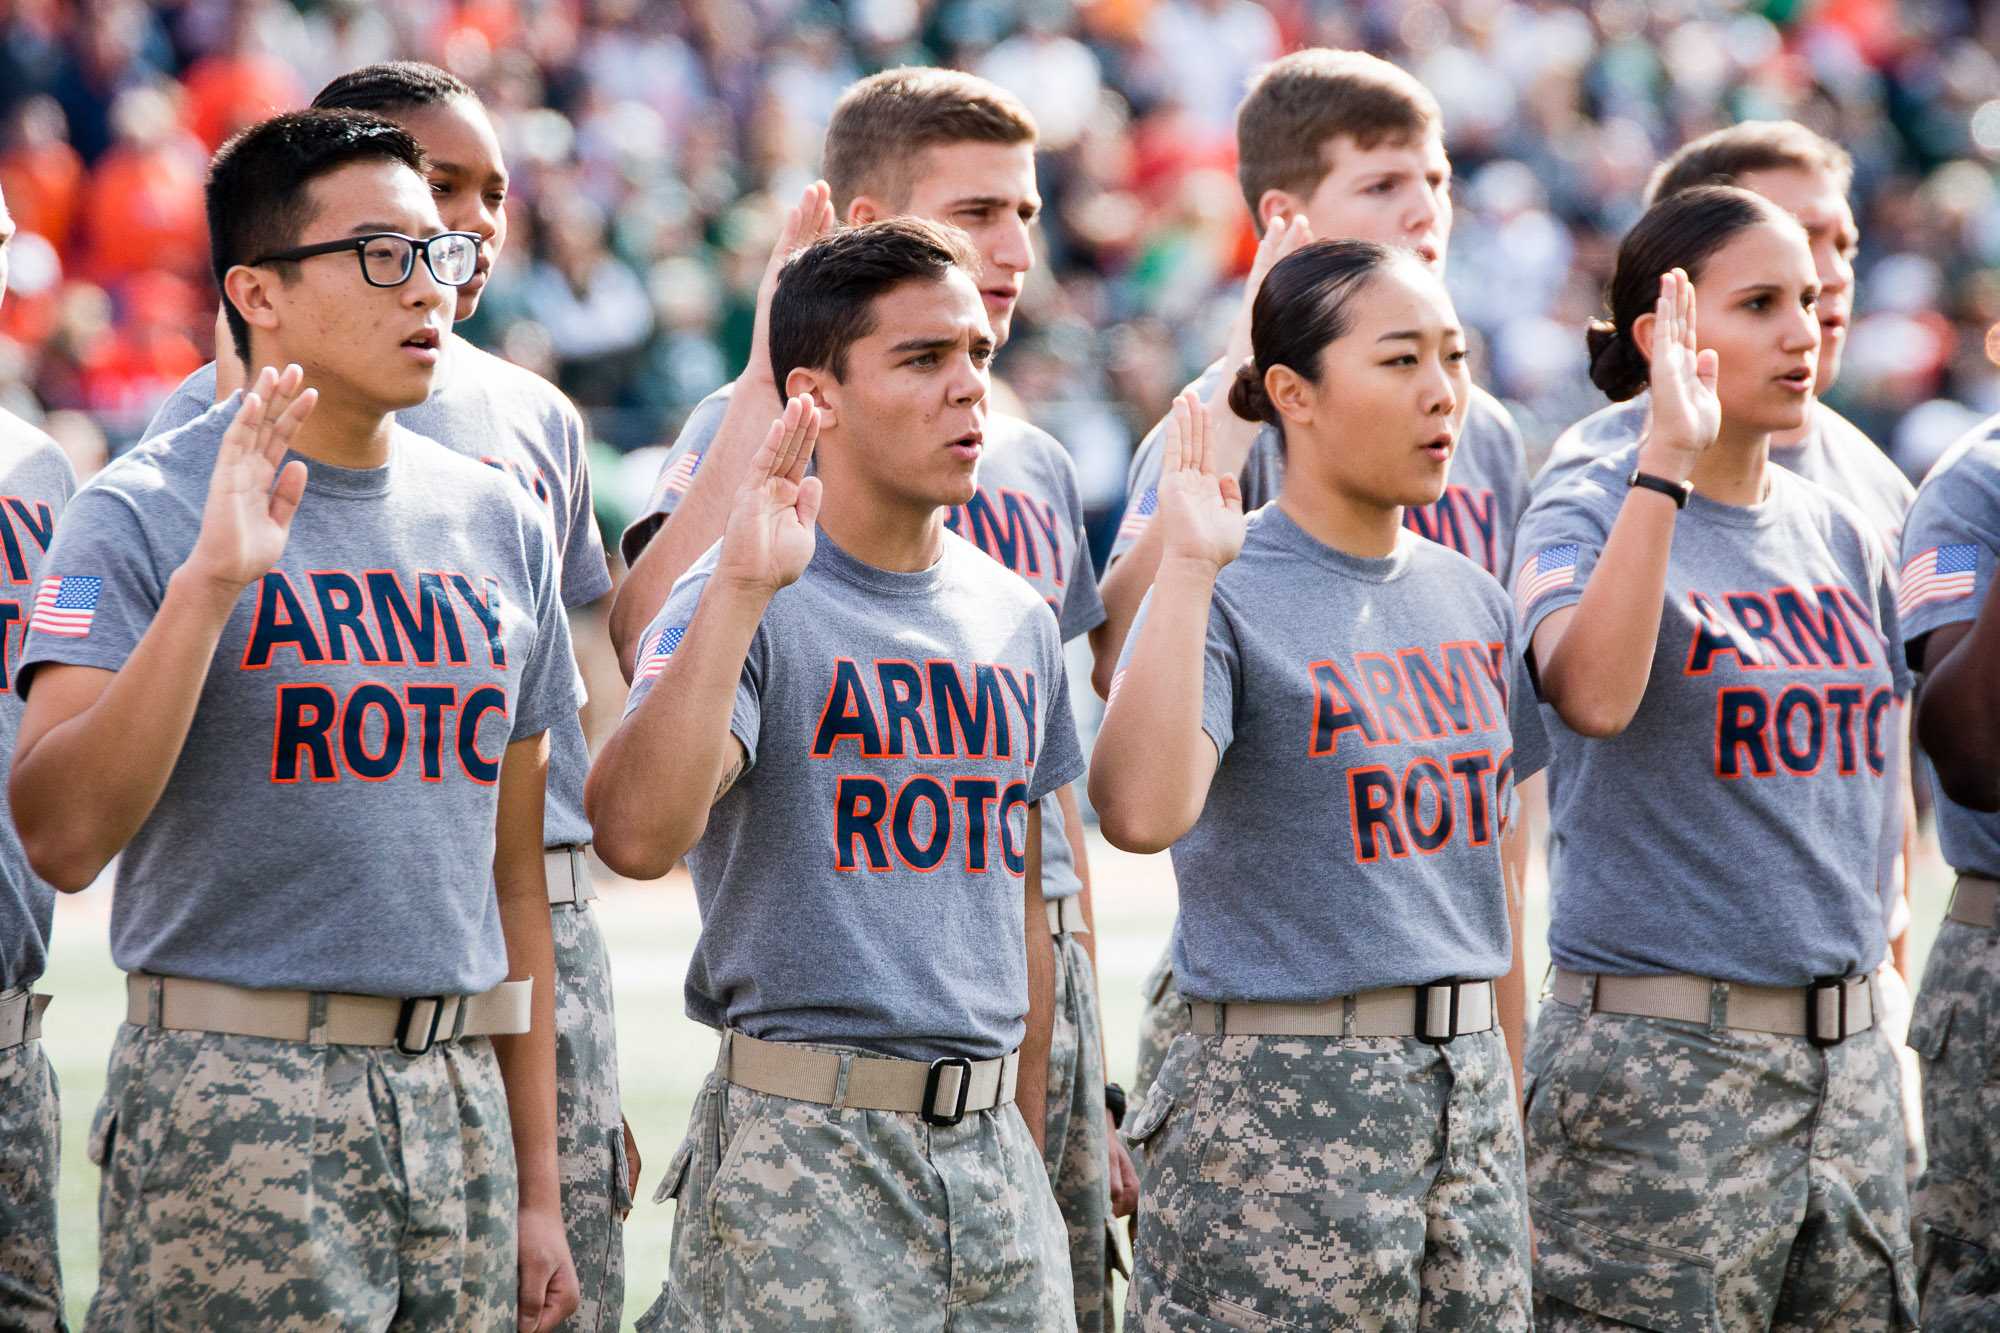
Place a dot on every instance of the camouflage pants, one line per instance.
(279, 1185)
(1711, 1178)
(1164, 1017)
(590, 1136)
(791, 1215)
(30, 1143)
(1331, 1182)
(1077, 1148)
(1957, 1207)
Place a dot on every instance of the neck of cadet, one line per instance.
(1732, 470)
(341, 430)
(874, 525)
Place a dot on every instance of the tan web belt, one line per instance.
(568, 872)
(942, 1091)
(1435, 1013)
(1066, 916)
(1975, 901)
(20, 1017)
(1827, 1012)
(412, 1026)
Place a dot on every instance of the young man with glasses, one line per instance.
(302, 682)
(512, 419)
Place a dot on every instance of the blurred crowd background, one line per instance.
(654, 142)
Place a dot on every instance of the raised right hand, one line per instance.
(767, 541)
(1686, 414)
(1200, 512)
(805, 222)
(1280, 239)
(253, 492)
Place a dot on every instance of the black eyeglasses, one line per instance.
(389, 257)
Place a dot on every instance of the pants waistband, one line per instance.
(412, 1026)
(1436, 1013)
(942, 1091)
(1827, 1011)
(1975, 901)
(568, 872)
(1066, 916)
(20, 1017)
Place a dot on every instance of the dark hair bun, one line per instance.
(1247, 398)
(1615, 364)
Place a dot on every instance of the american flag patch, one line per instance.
(676, 479)
(1545, 572)
(1138, 515)
(657, 652)
(1941, 574)
(65, 605)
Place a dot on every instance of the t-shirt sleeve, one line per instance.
(676, 475)
(101, 587)
(550, 688)
(1142, 491)
(1060, 760)
(1082, 606)
(1524, 721)
(1562, 535)
(585, 575)
(1219, 672)
(1510, 489)
(1950, 541)
(190, 398)
(665, 636)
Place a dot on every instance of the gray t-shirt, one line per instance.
(514, 420)
(1949, 547)
(330, 822)
(861, 882)
(1351, 835)
(1833, 453)
(1027, 514)
(1733, 829)
(1475, 516)
(35, 483)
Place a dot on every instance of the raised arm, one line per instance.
(698, 520)
(673, 756)
(1594, 659)
(1151, 769)
(96, 747)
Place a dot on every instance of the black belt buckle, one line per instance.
(938, 1066)
(1423, 1032)
(1819, 987)
(408, 1011)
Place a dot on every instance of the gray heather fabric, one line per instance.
(1758, 753)
(330, 822)
(1328, 1182)
(1691, 1178)
(31, 1294)
(1475, 517)
(274, 1184)
(789, 1215)
(35, 484)
(515, 421)
(896, 726)
(1351, 835)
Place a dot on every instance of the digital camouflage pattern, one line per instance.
(1077, 1147)
(791, 1215)
(30, 1144)
(1163, 1017)
(590, 1135)
(1331, 1182)
(1684, 1177)
(278, 1185)
(1957, 1032)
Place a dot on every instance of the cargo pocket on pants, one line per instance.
(1596, 1271)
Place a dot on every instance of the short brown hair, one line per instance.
(1726, 155)
(1299, 104)
(882, 123)
(825, 298)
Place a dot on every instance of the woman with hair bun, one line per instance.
(1314, 712)
(1714, 1127)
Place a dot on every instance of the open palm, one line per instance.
(1200, 513)
(1686, 412)
(767, 541)
(253, 492)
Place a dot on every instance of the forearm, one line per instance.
(1031, 1088)
(528, 1060)
(1151, 769)
(649, 792)
(1079, 855)
(1511, 991)
(82, 786)
(1595, 676)
(698, 520)
(1124, 588)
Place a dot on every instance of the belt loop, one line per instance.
(840, 1078)
(316, 1018)
(1347, 1015)
(1589, 996)
(1718, 1005)
(460, 1004)
(722, 1054)
(156, 1002)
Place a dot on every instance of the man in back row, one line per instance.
(946, 146)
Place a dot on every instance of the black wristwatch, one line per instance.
(1677, 491)
(1114, 1102)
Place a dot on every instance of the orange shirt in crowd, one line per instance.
(143, 210)
(224, 93)
(43, 184)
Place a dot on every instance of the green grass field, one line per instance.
(651, 929)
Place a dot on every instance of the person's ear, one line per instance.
(253, 292)
(864, 209)
(817, 385)
(1642, 336)
(1275, 208)
(1295, 397)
